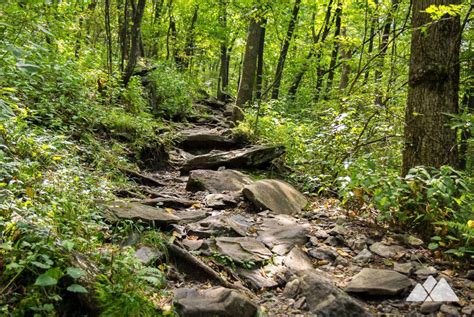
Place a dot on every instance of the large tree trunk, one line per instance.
(249, 67)
(284, 50)
(135, 35)
(433, 89)
(223, 80)
(108, 33)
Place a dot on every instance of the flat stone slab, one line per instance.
(204, 138)
(276, 195)
(386, 251)
(282, 233)
(146, 255)
(378, 282)
(220, 201)
(151, 215)
(325, 299)
(297, 260)
(254, 156)
(217, 182)
(220, 225)
(257, 279)
(216, 301)
(243, 249)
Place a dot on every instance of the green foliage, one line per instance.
(433, 202)
(170, 92)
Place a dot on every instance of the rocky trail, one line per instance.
(243, 244)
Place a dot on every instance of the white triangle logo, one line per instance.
(433, 291)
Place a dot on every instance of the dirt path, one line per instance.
(244, 245)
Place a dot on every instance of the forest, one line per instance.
(236, 158)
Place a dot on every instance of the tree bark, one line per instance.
(433, 89)
(249, 67)
(383, 51)
(223, 81)
(284, 50)
(135, 35)
(108, 33)
(189, 43)
(335, 50)
(322, 34)
(346, 55)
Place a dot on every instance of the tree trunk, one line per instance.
(335, 50)
(124, 37)
(433, 89)
(135, 35)
(189, 43)
(383, 51)
(260, 62)
(346, 55)
(322, 34)
(284, 50)
(466, 153)
(108, 33)
(249, 67)
(223, 81)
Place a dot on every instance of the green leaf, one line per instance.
(46, 280)
(76, 288)
(41, 265)
(74, 272)
(433, 246)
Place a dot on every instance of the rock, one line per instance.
(425, 271)
(217, 181)
(358, 244)
(364, 256)
(199, 139)
(239, 224)
(378, 282)
(321, 234)
(168, 201)
(404, 268)
(151, 215)
(325, 299)
(413, 241)
(429, 307)
(323, 253)
(291, 288)
(243, 249)
(470, 275)
(216, 301)
(147, 255)
(449, 311)
(210, 226)
(192, 245)
(278, 196)
(335, 241)
(282, 233)
(300, 303)
(468, 310)
(338, 230)
(256, 280)
(220, 225)
(386, 251)
(254, 156)
(297, 260)
(220, 201)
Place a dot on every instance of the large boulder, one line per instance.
(253, 156)
(276, 195)
(217, 181)
(378, 282)
(216, 301)
(325, 299)
(153, 216)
